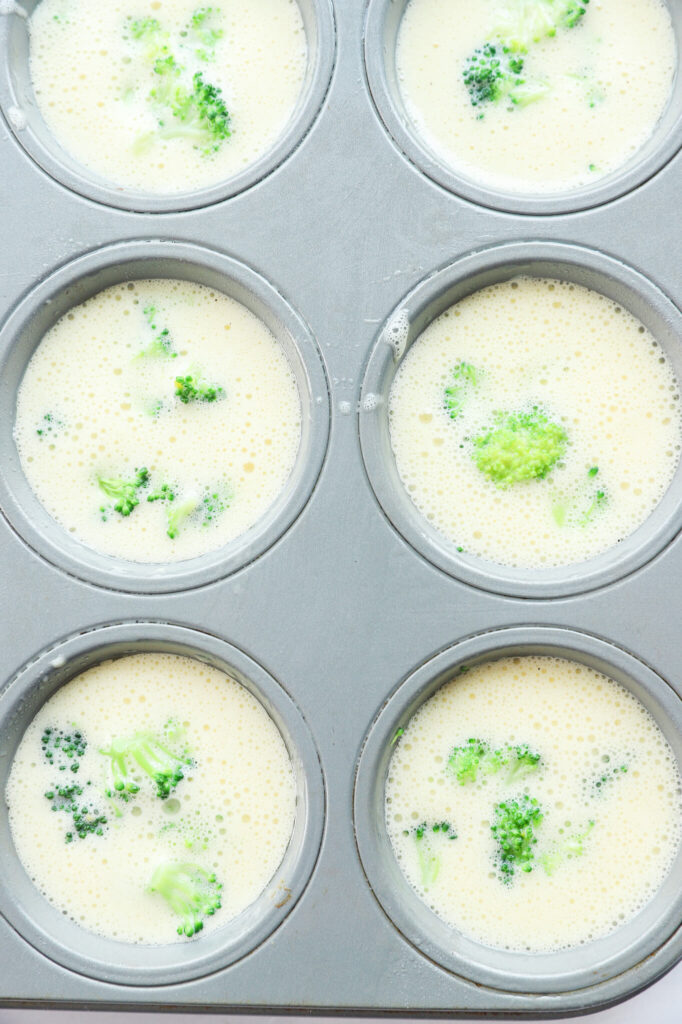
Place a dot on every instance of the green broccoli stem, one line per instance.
(192, 893)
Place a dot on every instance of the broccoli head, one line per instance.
(63, 750)
(524, 22)
(465, 762)
(464, 378)
(144, 753)
(476, 757)
(520, 447)
(428, 839)
(188, 389)
(124, 491)
(190, 892)
(491, 73)
(86, 817)
(514, 832)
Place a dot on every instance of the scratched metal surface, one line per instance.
(340, 609)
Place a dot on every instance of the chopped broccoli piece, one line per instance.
(426, 838)
(199, 114)
(465, 762)
(521, 761)
(188, 389)
(597, 505)
(193, 109)
(465, 377)
(63, 750)
(520, 447)
(163, 493)
(50, 424)
(491, 73)
(205, 509)
(477, 757)
(496, 70)
(515, 836)
(124, 491)
(162, 345)
(203, 30)
(213, 504)
(86, 817)
(180, 512)
(190, 892)
(152, 757)
(524, 22)
(565, 849)
(141, 27)
(571, 511)
(396, 735)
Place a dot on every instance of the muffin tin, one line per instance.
(343, 611)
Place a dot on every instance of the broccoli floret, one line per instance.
(427, 838)
(465, 378)
(522, 446)
(514, 832)
(202, 29)
(200, 115)
(213, 504)
(521, 762)
(565, 849)
(196, 111)
(124, 491)
(86, 817)
(492, 73)
(143, 750)
(188, 389)
(63, 750)
(396, 735)
(477, 757)
(524, 22)
(465, 762)
(181, 511)
(163, 493)
(162, 345)
(572, 511)
(597, 505)
(204, 508)
(497, 71)
(190, 892)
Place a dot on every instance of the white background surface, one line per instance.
(660, 1004)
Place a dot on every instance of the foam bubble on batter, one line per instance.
(113, 408)
(582, 724)
(232, 814)
(396, 332)
(609, 79)
(17, 118)
(97, 106)
(592, 367)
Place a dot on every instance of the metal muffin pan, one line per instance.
(549, 972)
(337, 608)
(63, 941)
(421, 307)
(383, 24)
(80, 280)
(19, 103)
